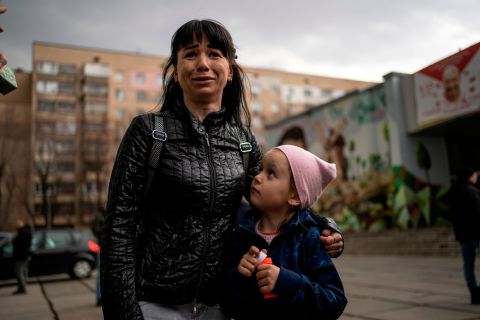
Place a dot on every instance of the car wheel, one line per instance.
(81, 269)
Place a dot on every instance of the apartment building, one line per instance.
(82, 100)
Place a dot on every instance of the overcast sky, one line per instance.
(357, 39)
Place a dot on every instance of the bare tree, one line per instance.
(44, 163)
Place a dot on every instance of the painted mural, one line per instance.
(369, 192)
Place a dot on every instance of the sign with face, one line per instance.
(448, 88)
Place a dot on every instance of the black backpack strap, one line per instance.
(159, 137)
(244, 146)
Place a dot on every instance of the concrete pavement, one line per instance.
(378, 288)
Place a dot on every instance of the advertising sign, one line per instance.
(448, 88)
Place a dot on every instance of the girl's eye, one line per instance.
(271, 173)
(190, 54)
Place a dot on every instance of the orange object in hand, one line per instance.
(263, 259)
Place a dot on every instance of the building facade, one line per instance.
(397, 145)
(80, 102)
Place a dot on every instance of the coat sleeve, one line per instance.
(119, 237)
(316, 292)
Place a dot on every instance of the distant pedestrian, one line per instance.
(97, 229)
(465, 205)
(21, 255)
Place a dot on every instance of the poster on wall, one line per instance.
(448, 88)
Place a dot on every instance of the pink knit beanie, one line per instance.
(310, 173)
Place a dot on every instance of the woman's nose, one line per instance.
(202, 63)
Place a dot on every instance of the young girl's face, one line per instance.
(272, 188)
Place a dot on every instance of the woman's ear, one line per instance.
(175, 76)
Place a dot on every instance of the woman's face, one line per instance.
(202, 72)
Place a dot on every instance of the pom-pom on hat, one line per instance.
(310, 173)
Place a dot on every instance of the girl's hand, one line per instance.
(248, 263)
(267, 275)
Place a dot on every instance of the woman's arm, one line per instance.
(121, 224)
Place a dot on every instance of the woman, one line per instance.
(163, 252)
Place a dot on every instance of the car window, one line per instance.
(7, 248)
(57, 239)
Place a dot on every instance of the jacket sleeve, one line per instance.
(118, 249)
(317, 292)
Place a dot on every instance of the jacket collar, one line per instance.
(301, 217)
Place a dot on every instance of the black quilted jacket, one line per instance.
(168, 248)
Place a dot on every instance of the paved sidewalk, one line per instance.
(400, 287)
(377, 287)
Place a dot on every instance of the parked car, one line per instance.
(55, 251)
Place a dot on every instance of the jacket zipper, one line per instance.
(207, 220)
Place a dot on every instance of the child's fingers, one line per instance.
(253, 251)
(267, 276)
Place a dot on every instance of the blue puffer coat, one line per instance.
(308, 286)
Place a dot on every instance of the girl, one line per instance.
(302, 279)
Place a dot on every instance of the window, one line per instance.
(45, 106)
(46, 67)
(45, 127)
(65, 167)
(95, 89)
(257, 105)
(64, 106)
(275, 107)
(141, 96)
(95, 127)
(119, 95)
(308, 93)
(159, 79)
(96, 147)
(66, 127)
(48, 87)
(91, 186)
(119, 77)
(66, 68)
(58, 239)
(68, 187)
(257, 122)
(119, 114)
(96, 70)
(140, 78)
(95, 107)
(63, 147)
(256, 89)
(276, 90)
(326, 93)
(66, 88)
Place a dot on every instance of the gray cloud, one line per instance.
(346, 38)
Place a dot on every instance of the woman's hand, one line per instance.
(332, 241)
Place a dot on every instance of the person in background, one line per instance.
(21, 255)
(162, 250)
(465, 213)
(301, 282)
(97, 229)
